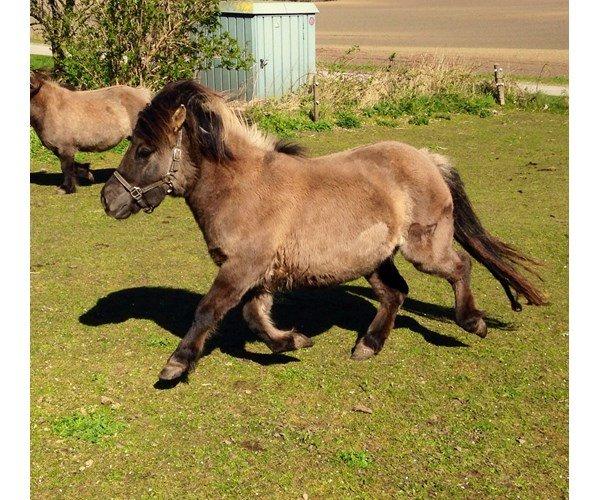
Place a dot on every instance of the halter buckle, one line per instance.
(176, 154)
(136, 193)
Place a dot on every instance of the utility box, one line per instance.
(281, 38)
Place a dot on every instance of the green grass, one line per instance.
(427, 106)
(286, 124)
(344, 65)
(89, 426)
(540, 102)
(40, 62)
(453, 416)
(548, 80)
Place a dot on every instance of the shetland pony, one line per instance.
(275, 220)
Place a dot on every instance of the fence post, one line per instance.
(498, 78)
(315, 94)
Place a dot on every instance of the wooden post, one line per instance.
(315, 94)
(498, 78)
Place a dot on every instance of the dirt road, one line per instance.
(522, 35)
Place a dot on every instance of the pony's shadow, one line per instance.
(311, 312)
(101, 175)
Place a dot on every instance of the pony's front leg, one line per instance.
(67, 165)
(229, 287)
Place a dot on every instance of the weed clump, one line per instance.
(355, 459)
(89, 426)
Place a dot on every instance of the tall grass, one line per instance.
(431, 88)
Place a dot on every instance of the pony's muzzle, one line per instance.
(116, 201)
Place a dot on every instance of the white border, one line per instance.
(583, 249)
(14, 207)
(584, 237)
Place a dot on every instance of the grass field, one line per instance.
(452, 415)
(40, 62)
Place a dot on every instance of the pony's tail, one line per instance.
(501, 259)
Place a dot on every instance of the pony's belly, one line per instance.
(110, 129)
(329, 261)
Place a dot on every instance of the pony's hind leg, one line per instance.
(391, 290)
(429, 249)
(468, 317)
(257, 313)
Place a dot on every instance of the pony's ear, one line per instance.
(178, 118)
(35, 84)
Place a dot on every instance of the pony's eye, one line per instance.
(143, 151)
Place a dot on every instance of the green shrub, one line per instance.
(431, 105)
(96, 44)
(347, 119)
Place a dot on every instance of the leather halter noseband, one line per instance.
(137, 193)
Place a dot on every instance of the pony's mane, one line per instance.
(290, 148)
(209, 120)
(44, 76)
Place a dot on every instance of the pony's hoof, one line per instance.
(362, 351)
(174, 369)
(65, 190)
(475, 324)
(89, 176)
(302, 341)
(291, 342)
(481, 329)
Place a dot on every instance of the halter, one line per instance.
(137, 193)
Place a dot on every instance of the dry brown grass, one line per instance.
(342, 84)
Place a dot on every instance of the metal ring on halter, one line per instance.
(137, 193)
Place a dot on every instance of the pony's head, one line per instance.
(36, 81)
(182, 126)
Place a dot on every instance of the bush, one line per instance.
(135, 42)
(347, 119)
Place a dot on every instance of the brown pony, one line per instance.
(274, 220)
(67, 121)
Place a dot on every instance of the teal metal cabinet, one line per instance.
(281, 38)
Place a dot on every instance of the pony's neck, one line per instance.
(212, 185)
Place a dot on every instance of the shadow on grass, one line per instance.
(311, 312)
(101, 175)
(427, 310)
